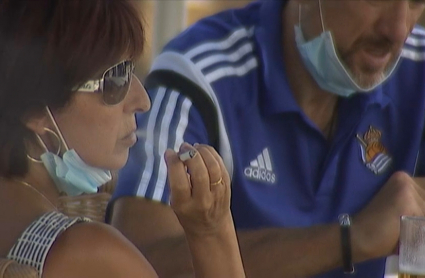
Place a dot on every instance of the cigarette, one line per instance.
(187, 155)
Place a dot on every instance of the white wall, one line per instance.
(169, 20)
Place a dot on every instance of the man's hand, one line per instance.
(376, 229)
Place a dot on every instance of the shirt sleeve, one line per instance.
(171, 121)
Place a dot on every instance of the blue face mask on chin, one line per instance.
(70, 173)
(321, 60)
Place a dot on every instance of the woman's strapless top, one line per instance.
(34, 244)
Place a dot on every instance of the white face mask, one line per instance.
(320, 58)
(70, 173)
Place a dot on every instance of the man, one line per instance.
(320, 111)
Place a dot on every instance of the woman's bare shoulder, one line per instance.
(95, 250)
(18, 209)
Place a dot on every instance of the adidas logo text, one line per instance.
(260, 174)
(260, 169)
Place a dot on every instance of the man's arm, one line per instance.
(155, 230)
(279, 252)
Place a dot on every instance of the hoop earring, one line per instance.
(44, 145)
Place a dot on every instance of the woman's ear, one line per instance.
(37, 123)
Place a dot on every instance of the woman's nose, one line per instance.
(137, 99)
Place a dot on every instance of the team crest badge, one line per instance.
(374, 155)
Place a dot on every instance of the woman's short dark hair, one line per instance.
(47, 47)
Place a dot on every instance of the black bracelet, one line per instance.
(345, 224)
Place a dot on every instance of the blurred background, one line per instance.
(166, 18)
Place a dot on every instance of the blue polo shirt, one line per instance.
(284, 171)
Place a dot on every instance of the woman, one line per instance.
(68, 99)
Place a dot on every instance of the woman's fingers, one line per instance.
(212, 165)
(202, 201)
(198, 172)
(224, 173)
(218, 174)
(206, 171)
(177, 177)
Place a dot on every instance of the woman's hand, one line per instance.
(200, 197)
(200, 189)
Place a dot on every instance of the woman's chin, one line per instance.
(119, 162)
(113, 164)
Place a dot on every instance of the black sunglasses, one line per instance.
(114, 84)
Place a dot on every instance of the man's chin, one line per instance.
(369, 77)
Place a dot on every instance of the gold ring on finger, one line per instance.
(217, 182)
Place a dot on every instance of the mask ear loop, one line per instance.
(57, 128)
(44, 145)
(299, 15)
(321, 16)
(320, 12)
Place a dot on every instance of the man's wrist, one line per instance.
(361, 247)
(346, 248)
